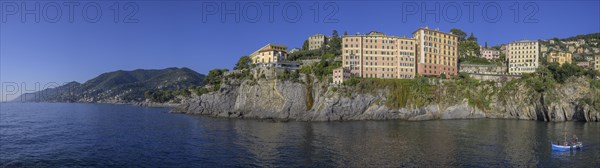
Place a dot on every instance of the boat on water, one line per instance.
(574, 146)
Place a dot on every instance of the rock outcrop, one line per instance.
(284, 100)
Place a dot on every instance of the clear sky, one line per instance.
(88, 38)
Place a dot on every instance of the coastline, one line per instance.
(429, 113)
(318, 101)
(458, 112)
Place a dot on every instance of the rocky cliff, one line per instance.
(317, 101)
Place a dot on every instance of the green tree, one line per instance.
(502, 57)
(215, 76)
(461, 34)
(468, 49)
(486, 46)
(345, 33)
(335, 44)
(305, 45)
(243, 63)
(541, 81)
(472, 37)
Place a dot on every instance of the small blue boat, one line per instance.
(575, 146)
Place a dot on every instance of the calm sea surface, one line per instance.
(75, 135)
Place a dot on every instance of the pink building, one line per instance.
(489, 53)
(340, 74)
(584, 64)
(376, 55)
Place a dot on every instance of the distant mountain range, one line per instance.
(118, 86)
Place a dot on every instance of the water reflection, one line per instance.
(83, 135)
(396, 143)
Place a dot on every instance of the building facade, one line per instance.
(437, 52)
(597, 63)
(560, 57)
(270, 53)
(376, 55)
(407, 58)
(523, 57)
(580, 50)
(489, 53)
(317, 41)
(584, 64)
(293, 50)
(340, 74)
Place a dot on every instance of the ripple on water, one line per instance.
(93, 135)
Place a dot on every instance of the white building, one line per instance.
(523, 57)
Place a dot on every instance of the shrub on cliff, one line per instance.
(160, 96)
(399, 92)
(243, 63)
(304, 54)
(215, 76)
(567, 70)
(289, 76)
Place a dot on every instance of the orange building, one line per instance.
(437, 52)
(376, 55)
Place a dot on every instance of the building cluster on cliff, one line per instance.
(429, 52)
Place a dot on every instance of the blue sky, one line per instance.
(192, 34)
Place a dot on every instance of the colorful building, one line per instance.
(293, 50)
(597, 64)
(376, 55)
(270, 53)
(437, 52)
(489, 53)
(560, 57)
(317, 41)
(406, 58)
(584, 64)
(340, 74)
(523, 57)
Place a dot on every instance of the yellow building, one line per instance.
(437, 52)
(523, 57)
(560, 57)
(316, 41)
(597, 64)
(376, 55)
(270, 53)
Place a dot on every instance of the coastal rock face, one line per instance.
(563, 104)
(284, 100)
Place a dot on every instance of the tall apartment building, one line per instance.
(270, 53)
(523, 57)
(489, 53)
(317, 41)
(437, 52)
(560, 57)
(376, 55)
